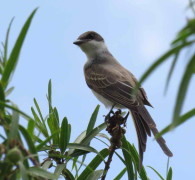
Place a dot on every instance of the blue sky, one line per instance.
(136, 32)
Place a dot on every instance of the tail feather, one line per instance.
(150, 122)
(141, 133)
(144, 124)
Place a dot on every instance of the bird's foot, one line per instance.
(124, 120)
(107, 117)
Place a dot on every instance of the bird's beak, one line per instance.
(79, 42)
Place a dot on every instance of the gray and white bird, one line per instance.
(113, 84)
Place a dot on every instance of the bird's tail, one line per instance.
(144, 124)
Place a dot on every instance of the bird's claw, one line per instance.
(107, 117)
(125, 119)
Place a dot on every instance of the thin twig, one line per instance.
(107, 164)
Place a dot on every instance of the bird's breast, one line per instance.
(107, 103)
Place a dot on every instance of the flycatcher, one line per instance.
(113, 84)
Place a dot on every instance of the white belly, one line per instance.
(106, 102)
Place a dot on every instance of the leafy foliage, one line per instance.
(184, 41)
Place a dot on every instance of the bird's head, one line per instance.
(91, 43)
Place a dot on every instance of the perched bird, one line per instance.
(113, 84)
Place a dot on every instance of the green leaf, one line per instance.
(13, 59)
(120, 175)
(39, 172)
(31, 127)
(15, 109)
(9, 91)
(64, 135)
(183, 37)
(6, 42)
(162, 59)
(13, 132)
(171, 71)
(2, 97)
(78, 140)
(82, 147)
(95, 175)
(46, 164)
(93, 164)
(59, 170)
(55, 111)
(93, 119)
(49, 97)
(181, 120)
(29, 141)
(40, 114)
(183, 89)
(128, 159)
(39, 124)
(52, 123)
(43, 143)
(170, 174)
(93, 133)
(86, 140)
(23, 171)
(156, 172)
(68, 174)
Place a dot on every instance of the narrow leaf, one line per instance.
(120, 175)
(29, 141)
(68, 175)
(171, 70)
(46, 164)
(2, 97)
(64, 135)
(82, 147)
(13, 59)
(156, 172)
(93, 164)
(39, 124)
(78, 140)
(9, 91)
(162, 59)
(93, 119)
(93, 133)
(31, 127)
(59, 170)
(183, 89)
(181, 120)
(49, 97)
(43, 143)
(6, 42)
(23, 171)
(128, 159)
(39, 111)
(39, 172)
(86, 140)
(95, 175)
(170, 174)
(13, 133)
(15, 109)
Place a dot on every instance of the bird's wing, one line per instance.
(114, 84)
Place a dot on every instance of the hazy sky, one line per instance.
(136, 32)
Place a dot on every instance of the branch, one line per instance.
(115, 129)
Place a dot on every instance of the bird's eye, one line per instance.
(90, 36)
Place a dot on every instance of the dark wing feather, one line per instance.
(113, 85)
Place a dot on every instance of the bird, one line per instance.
(114, 85)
